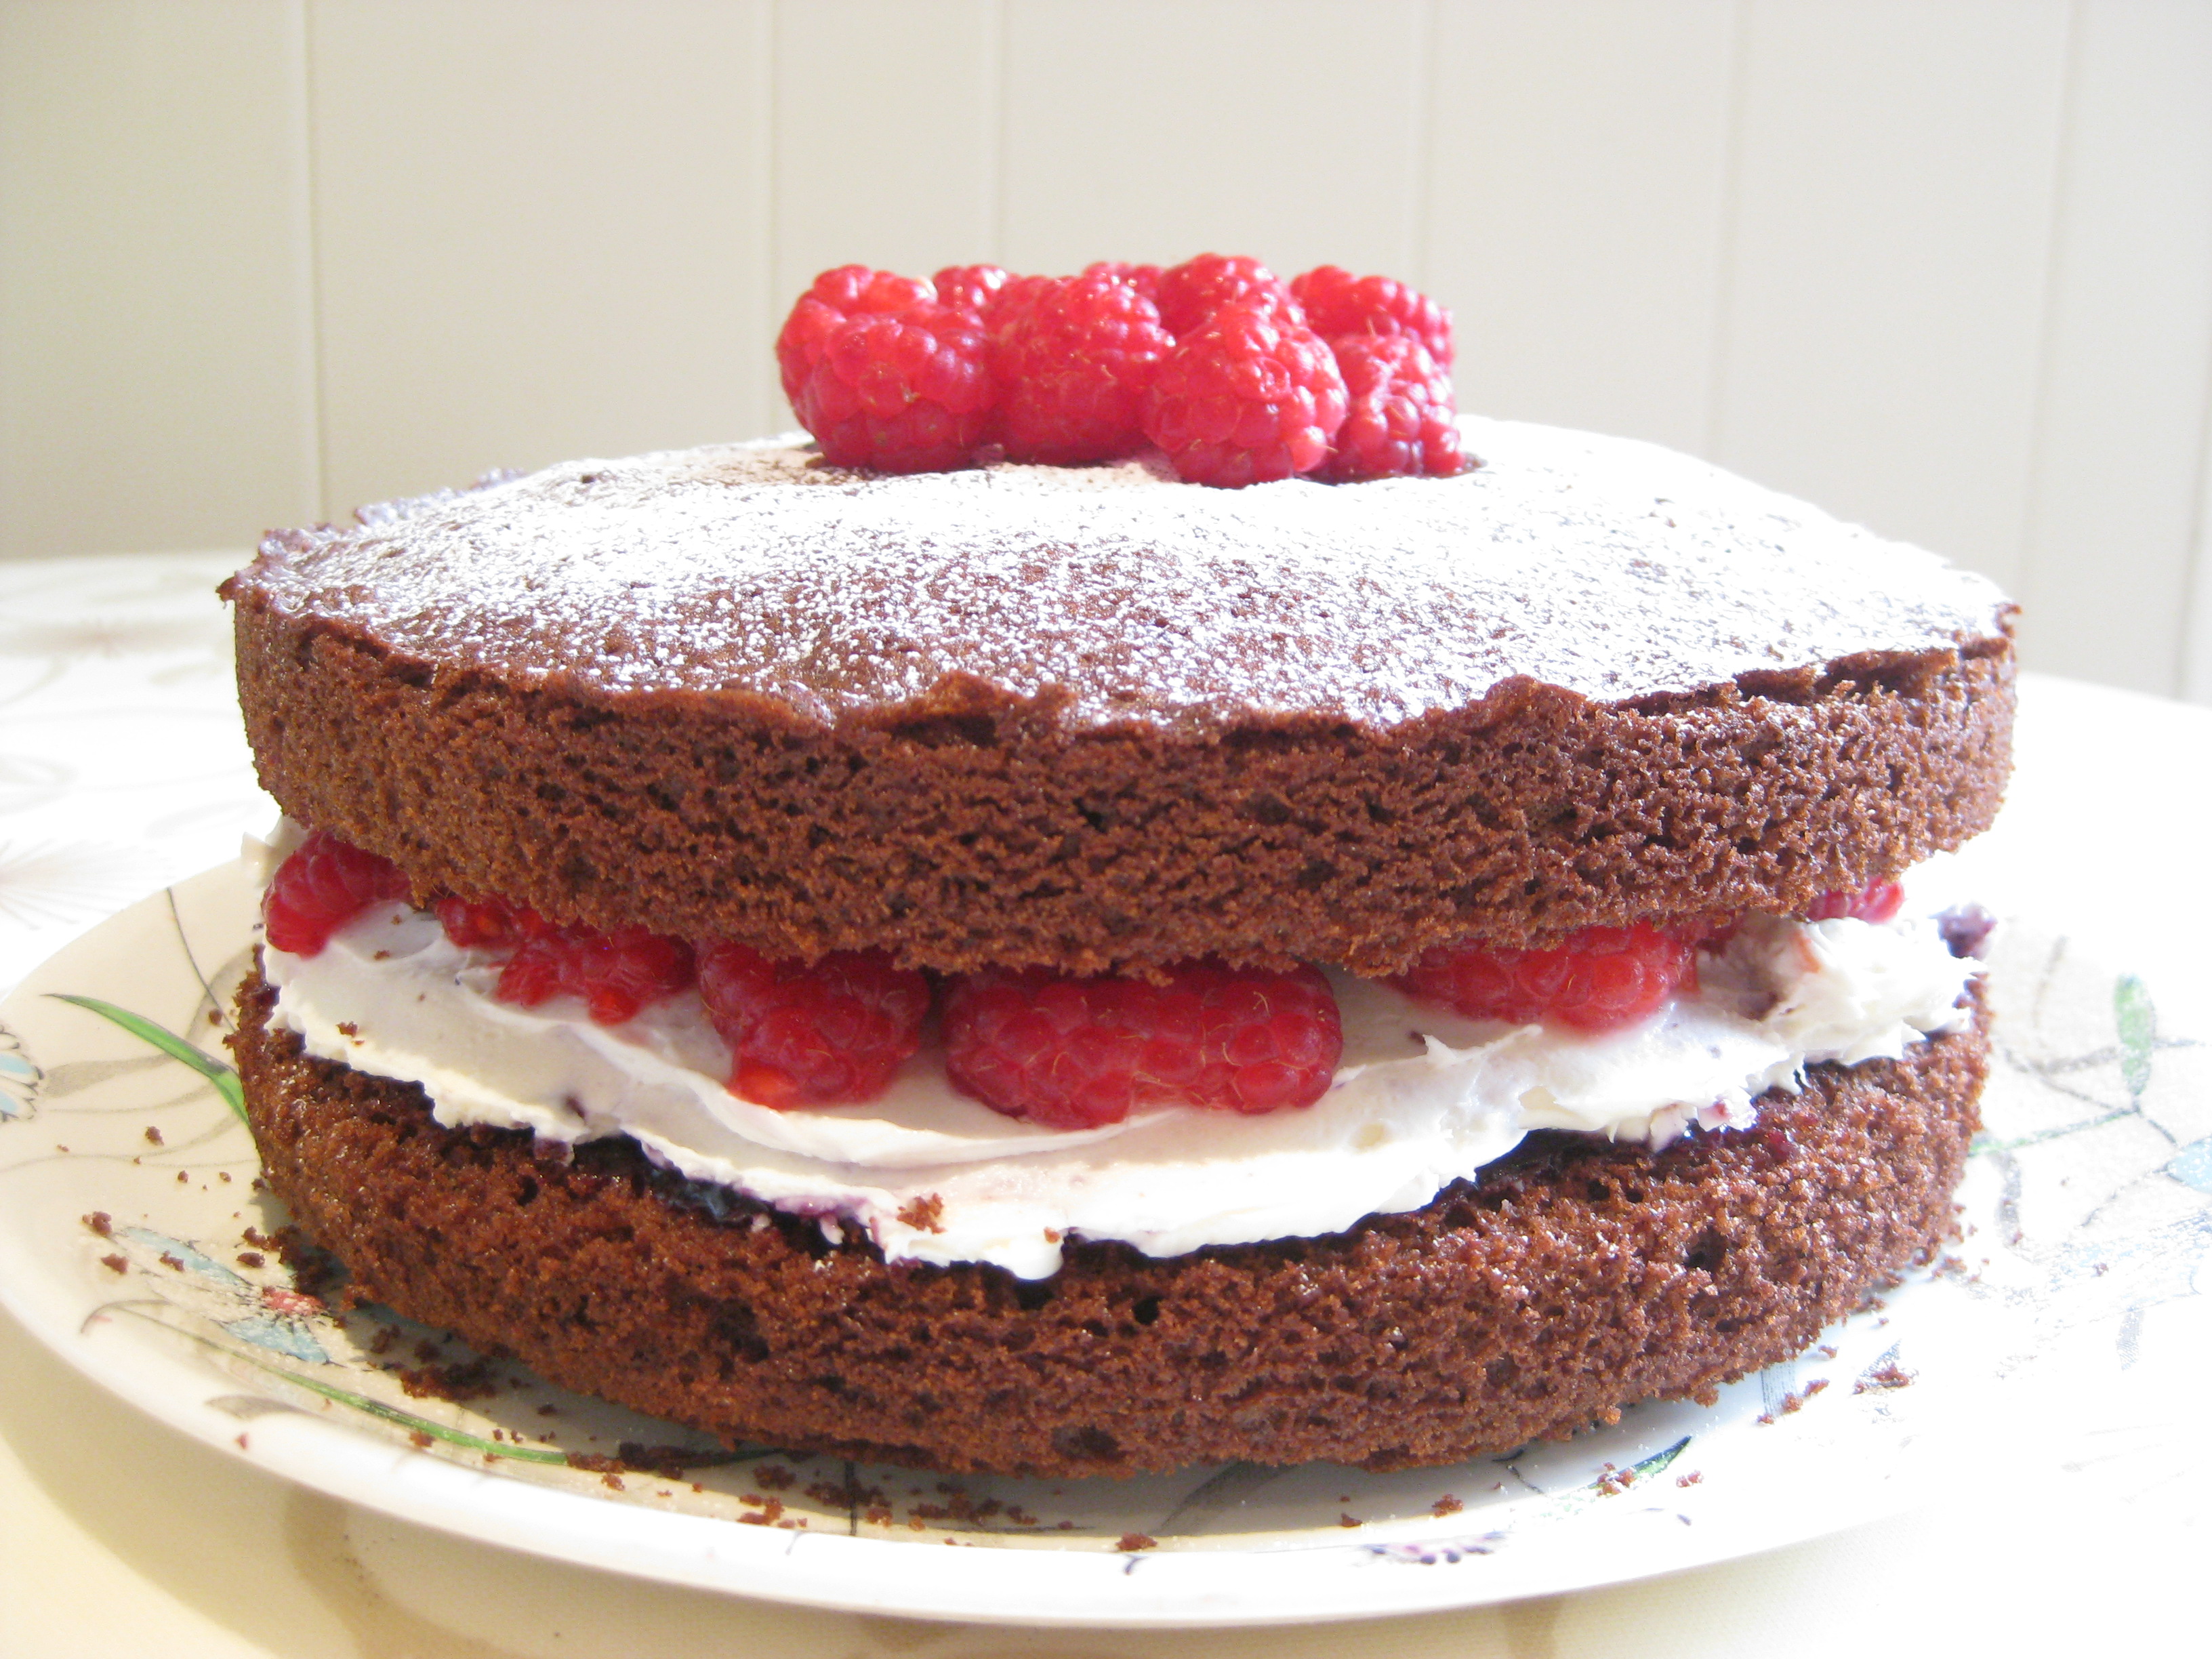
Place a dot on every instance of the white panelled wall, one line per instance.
(1944, 266)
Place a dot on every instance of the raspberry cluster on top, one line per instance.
(1064, 1050)
(1236, 375)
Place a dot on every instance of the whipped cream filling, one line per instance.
(1421, 1098)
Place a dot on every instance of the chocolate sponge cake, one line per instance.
(1576, 1276)
(1036, 727)
(1094, 719)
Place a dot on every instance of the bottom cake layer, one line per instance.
(1572, 1278)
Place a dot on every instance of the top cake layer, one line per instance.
(1099, 720)
(1116, 596)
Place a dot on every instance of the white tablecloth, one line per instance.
(122, 767)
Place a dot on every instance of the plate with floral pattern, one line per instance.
(136, 1242)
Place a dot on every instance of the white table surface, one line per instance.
(122, 767)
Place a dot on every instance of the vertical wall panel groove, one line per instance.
(538, 224)
(1888, 283)
(1580, 154)
(1153, 130)
(2112, 500)
(151, 387)
(1723, 333)
(307, 251)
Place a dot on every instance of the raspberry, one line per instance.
(488, 924)
(1011, 305)
(1248, 398)
(968, 287)
(1146, 279)
(1878, 901)
(835, 297)
(1601, 979)
(1337, 303)
(1071, 366)
(617, 974)
(325, 884)
(812, 1034)
(1074, 1054)
(1191, 294)
(908, 393)
(1400, 420)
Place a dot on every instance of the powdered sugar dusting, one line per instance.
(1611, 568)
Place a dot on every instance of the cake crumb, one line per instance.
(924, 1214)
(251, 1259)
(1133, 1541)
(775, 1477)
(1446, 1505)
(612, 1481)
(116, 1264)
(1891, 1375)
(1345, 1520)
(170, 1262)
(419, 1440)
(182, 1177)
(1692, 1479)
(471, 1380)
(152, 1136)
(101, 1223)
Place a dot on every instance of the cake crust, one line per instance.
(1567, 1280)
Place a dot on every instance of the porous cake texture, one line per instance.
(1090, 719)
(1569, 1280)
(1093, 719)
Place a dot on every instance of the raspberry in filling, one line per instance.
(1602, 979)
(1876, 901)
(827, 1033)
(325, 884)
(1075, 1054)
(617, 974)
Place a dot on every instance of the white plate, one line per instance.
(2089, 1207)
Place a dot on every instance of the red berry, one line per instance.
(1146, 279)
(1072, 366)
(968, 287)
(1077, 1052)
(325, 884)
(1192, 293)
(908, 393)
(1248, 398)
(1601, 979)
(825, 1033)
(488, 924)
(1337, 303)
(1400, 421)
(835, 297)
(1011, 305)
(1878, 901)
(616, 973)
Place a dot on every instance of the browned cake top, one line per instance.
(814, 597)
